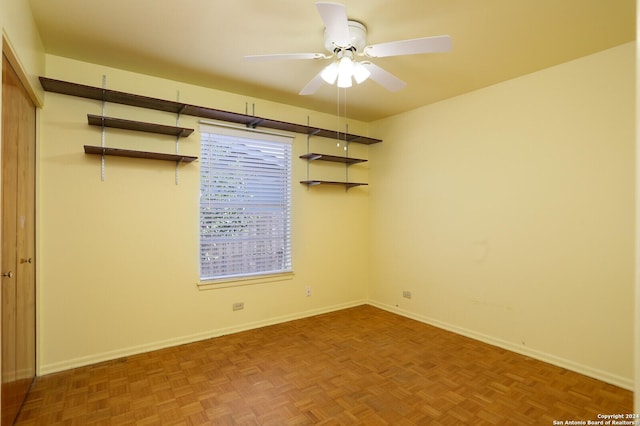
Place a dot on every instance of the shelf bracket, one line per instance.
(104, 107)
(178, 138)
(255, 123)
(309, 134)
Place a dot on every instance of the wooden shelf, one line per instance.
(98, 150)
(119, 123)
(330, 182)
(312, 156)
(97, 93)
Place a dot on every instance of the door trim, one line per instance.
(9, 52)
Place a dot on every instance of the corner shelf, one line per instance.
(331, 182)
(100, 121)
(98, 150)
(312, 156)
(106, 95)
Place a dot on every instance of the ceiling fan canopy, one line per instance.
(345, 40)
(357, 38)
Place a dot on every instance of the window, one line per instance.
(245, 203)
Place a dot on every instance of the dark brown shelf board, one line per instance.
(331, 182)
(312, 156)
(140, 126)
(97, 93)
(98, 150)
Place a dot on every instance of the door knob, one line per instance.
(7, 274)
(25, 260)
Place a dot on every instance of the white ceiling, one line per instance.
(203, 42)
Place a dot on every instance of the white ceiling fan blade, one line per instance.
(384, 78)
(335, 20)
(313, 85)
(435, 44)
(285, 56)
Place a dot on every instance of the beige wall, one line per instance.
(119, 259)
(509, 214)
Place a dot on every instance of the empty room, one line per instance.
(295, 212)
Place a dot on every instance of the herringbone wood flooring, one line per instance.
(356, 366)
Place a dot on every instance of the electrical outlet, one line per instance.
(406, 294)
(308, 291)
(238, 306)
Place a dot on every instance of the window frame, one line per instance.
(231, 134)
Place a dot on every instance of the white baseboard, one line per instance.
(148, 347)
(623, 382)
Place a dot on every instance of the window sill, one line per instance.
(242, 281)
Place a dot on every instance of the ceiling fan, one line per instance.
(346, 42)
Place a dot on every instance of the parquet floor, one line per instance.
(360, 366)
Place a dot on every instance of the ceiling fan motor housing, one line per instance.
(357, 36)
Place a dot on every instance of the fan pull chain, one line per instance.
(345, 120)
(338, 118)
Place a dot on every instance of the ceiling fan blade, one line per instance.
(384, 78)
(335, 20)
(313, 85)
(435, 44)
(280, 56)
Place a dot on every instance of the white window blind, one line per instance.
(245, 203)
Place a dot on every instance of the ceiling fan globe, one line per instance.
(330, 73)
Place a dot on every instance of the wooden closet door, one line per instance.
(9, 253)
(18, 243)
(25, 277)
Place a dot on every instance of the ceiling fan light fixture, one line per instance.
(345, 71)
(330, 73)
(345, 66)
(344, 80)
(360, 72)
